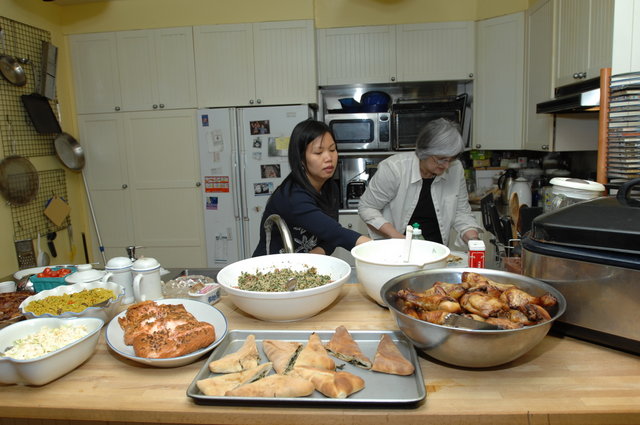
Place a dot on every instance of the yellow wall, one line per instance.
(43, 16)
(115, 15)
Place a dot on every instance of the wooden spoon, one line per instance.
(514, 213)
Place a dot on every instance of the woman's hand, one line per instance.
(470, 235)
(362, 239)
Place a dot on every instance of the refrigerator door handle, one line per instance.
(236, 185)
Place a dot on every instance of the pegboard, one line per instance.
(19, 136)
(23, 42)
(29, 219)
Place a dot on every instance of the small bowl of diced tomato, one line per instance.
(51, 277)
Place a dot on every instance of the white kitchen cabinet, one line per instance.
(96, 80)
(134, 70)
(498, 111)
(356, 55)
(143, 175)
(390, 53)
(269, 63)
(584, 39)
(436, 51)
(157, 69)
(538, 134)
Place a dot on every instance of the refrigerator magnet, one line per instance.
(261, 189)
(212, 202)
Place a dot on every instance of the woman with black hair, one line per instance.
(307, 199)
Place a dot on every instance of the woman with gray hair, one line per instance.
(426, 186)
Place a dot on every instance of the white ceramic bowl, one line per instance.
(380, 260)
(105, 313)
(114, 335)
(285, 306)
(42, 370)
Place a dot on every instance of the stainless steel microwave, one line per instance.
(360, 131)
(409, 116)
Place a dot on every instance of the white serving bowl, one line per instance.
(105, 313)
(114, 335)
(380, 260)
(42, 370)
(291, 305)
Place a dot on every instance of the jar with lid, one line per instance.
(568, 191)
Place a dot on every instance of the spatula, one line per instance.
(458, 321)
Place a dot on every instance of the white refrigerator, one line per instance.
(243, 159)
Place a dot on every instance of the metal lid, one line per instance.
(607, 223)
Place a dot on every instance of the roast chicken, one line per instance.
(479, 298)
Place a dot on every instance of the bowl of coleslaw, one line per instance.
(38, 351)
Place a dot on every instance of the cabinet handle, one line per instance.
(124, 186)
(471, 75)
(155, 106)
(545, 147)
(576, 75)
(393, 78)
(478, 146)
(198, 184)
(117, 108)
(161, 105)
(259, 101)
(583, 75)
(251, 102)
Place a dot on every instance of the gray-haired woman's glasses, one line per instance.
(444, 160)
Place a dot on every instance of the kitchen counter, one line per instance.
(561, 381)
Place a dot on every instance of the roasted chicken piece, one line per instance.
(419, 301)
(504, 323)
(482, 304)
(471, 280)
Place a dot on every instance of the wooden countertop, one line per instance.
(561, 381)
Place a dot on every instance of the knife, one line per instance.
(457, 321)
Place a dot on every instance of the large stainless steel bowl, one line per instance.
(469, 347)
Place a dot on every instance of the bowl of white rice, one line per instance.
(38, 351)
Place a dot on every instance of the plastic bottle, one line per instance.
(417, 232)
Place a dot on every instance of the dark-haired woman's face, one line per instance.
(321, 157)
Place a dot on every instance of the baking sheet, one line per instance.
(381, 389)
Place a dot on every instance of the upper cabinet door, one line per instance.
(436, 51)
(137, 65)
(538, 134)
(157, 69)
(498, 85)
(175, 68)
(224, 65)
(284, 60)
(357, 55)
(584, 39)
(95, 72)
(600, 37)
(572, 40)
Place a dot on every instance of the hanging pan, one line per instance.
(19, 179)
(10, 67)
(71, 154)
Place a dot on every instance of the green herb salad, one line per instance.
(275, 281)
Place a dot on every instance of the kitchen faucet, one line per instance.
(285, 234)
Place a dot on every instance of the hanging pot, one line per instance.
(10, 67)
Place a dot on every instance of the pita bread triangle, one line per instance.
(246, 357)
(218, 385)
(281, 353)
(343, 346)
(331, 383)
(389, 359)
(314, 354)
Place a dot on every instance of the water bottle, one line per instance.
(417, 232)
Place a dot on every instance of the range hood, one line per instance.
(577, 97)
